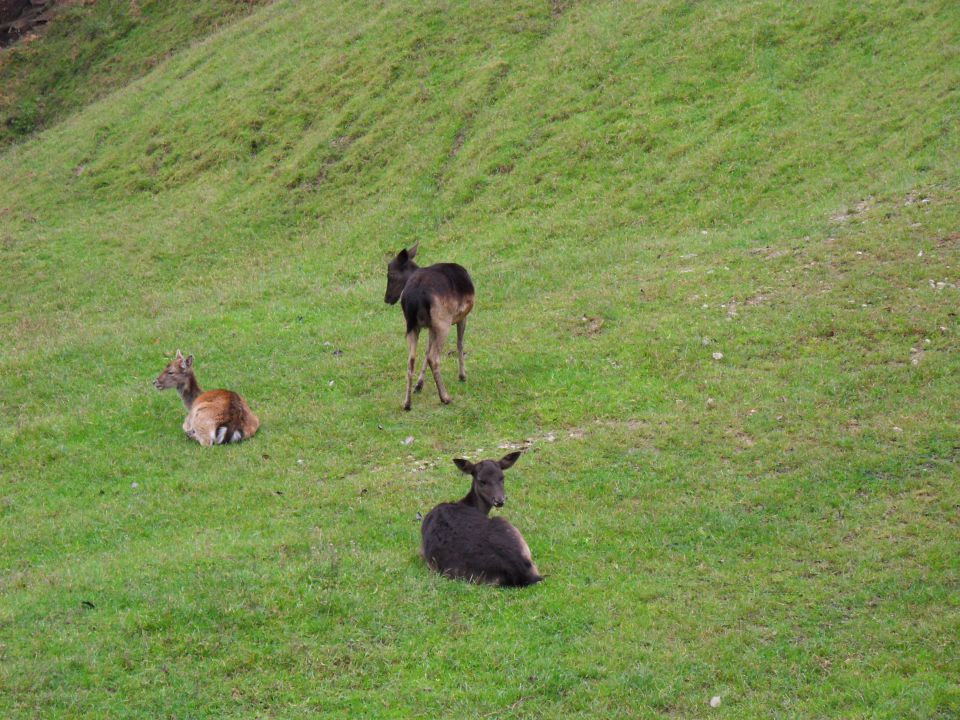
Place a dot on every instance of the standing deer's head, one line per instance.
(399, 271)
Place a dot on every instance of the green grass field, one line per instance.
(637, 189)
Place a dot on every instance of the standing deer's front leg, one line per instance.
(461, 329)
(438, 336)
(412, 338)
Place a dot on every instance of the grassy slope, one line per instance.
(91, 48)
(778, 527)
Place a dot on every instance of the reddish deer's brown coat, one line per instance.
(213, 417)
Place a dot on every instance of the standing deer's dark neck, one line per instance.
(408, 270)
(475, 501)
(189, 390)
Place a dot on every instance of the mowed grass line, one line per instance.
(633, 190)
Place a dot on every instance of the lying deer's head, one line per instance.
(175, 373)
(488, 477)
(398, 272)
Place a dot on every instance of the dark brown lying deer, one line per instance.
(433, 297)
(213, 417)
(461, 541)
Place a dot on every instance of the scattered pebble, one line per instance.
(718, 356)
(711, 403)
(300, 461)
(134, 485)
(407, 440)
(715, 701)
(330, 384)
(897, 429)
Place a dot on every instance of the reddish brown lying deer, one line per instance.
(213, 417)
(433, 297)
(460, 541)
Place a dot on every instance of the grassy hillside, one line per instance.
(716, 248)
(91, 48)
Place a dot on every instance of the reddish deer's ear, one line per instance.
(412, 252)
(507, 461)
(188, 363)
(465, 465)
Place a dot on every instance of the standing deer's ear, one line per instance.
(465, 465)
(507, 461)
(179, 354)
(412, 252)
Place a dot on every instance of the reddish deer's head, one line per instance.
(176, 374)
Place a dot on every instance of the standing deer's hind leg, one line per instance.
(461, 329)
(423, 372)
(412, 338)
(438, 336)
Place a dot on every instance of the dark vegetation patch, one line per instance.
(108, 44)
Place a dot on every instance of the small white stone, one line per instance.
(300, 461)
(715, 701)
(134, 485)
(330, 384)
(407, 440)
(718, 356)
(897, 429)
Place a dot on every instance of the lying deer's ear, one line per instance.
(403, 256)
(465, 465)
(188, 363)
(179, 354)
(507, 461)
(412, 252)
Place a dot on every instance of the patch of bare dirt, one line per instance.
(589, 326)
(849, 213)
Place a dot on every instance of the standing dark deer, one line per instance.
(213, 417)
(433, 297)
(461, 541)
